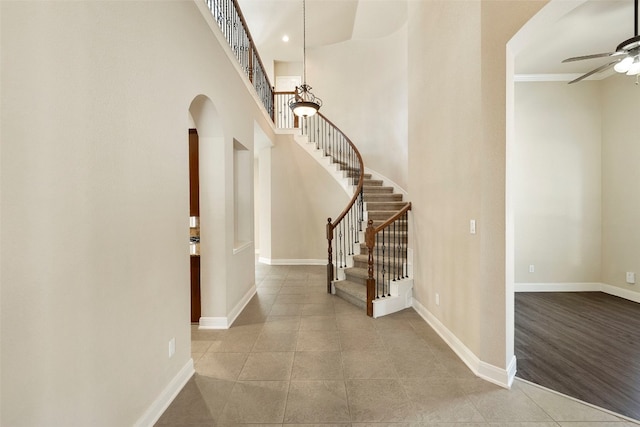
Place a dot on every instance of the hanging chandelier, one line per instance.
(304, 103)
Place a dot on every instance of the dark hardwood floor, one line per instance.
(583, 344)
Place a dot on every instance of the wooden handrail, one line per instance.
(233, 24)
(393, 219)
(252, 44)
(370, 242)
(332, 225)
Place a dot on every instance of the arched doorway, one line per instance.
(207, 158)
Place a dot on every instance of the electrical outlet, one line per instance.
(172, 347)
(437, 298)
(472, 226)
(631, 277)
(532, 268)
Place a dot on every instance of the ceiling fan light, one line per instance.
(624, 65)
(634, 69)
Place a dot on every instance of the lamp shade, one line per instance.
(304, 108)
(304, 103)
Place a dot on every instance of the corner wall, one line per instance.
(457, 167)
(621, 175)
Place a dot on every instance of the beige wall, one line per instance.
(94, 180)
(621, 174)
(575, 176)
(457, 145)
(363, 85)
(303, 196)
(557, 182)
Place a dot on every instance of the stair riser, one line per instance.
(397, 270)
(383, 215)
(400, 225)
(373, 182)
(351, 299)
(376, 190)
(385, 206)
(382, 197)
(365, 251)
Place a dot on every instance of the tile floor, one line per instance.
(297, 355)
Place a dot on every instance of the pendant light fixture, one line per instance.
(304, 103)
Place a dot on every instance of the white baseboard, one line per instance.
(226, 322)
(270, 261)
(579, 287)
(213, 323)
(557, 287)
(486, 371)
(511, 370)
(162, 402)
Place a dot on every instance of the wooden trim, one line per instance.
(370, 241)
(194, 174)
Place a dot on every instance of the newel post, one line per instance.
(370, 241)
(330, 254)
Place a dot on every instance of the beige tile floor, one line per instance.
(297, 355)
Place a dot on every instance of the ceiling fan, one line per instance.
(626, 56)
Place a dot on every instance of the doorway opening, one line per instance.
(194, 225)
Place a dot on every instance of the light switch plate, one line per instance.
(631, 277)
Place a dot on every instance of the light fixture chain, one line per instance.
(304, 42)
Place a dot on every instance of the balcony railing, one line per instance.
(234, 28)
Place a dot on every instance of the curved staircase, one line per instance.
(380, 204)
(369, 239)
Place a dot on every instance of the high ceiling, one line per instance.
(593, 26)
(328, 22)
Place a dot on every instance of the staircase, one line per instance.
(377, 215)
(380, 203)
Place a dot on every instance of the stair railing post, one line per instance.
(370, 238)
(330, 255)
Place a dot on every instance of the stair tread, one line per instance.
(386, 206)
(382, 197)
(383, 211)
(357, 272)
(365, 257)
(354, 289)
(376, 189)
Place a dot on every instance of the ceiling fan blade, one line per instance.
(596, 55)
(596, 70)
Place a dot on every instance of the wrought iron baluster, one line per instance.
(395, 254)
(385, 261)
(339, 260)
(377, 265)
(406, 245)
(340, 239)
(358, 217)
(344, 242)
